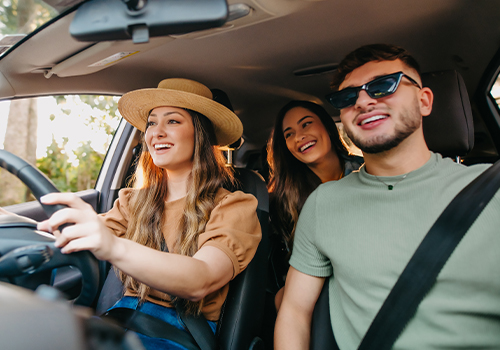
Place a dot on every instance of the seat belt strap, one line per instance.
(201, 336)
(199, 329)
(423, 268)
(150, 326)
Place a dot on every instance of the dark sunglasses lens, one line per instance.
(383, 87)
(343, 98)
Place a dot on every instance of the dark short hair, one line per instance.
(369, 53)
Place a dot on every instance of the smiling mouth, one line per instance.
(372, 119)
(163, 146)
(307, 145)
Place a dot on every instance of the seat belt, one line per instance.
(422, 270)
(150, 326)
(199, 329)
(201, 336)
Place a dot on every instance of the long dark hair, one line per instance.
(147, 204)
(291, 181)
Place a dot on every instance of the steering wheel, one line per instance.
(25, 251)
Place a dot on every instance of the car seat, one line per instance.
(243, 313)
(448, 130)
(240, 324)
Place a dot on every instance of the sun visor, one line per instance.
(102, 55)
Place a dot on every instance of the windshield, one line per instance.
(19, 18)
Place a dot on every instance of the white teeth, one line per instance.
(307, 145)
(372, 119)
(166, 145)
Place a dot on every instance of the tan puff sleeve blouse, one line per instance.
(233, 227)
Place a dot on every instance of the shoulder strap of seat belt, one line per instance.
(199, 329)
(150, 326)
(422, 270)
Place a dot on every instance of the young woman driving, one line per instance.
(305, 150)
(178, 236)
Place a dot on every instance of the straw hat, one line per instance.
(135, 106)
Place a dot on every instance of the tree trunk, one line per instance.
(21, 133)
(21, 140)
(25, 16)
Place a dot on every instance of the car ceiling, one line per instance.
(254, 58)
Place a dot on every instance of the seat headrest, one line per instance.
(221, 97)
(449, 129)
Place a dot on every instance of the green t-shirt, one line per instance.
(366, 234)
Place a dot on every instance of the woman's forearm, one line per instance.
(190, 278)
(187, 277)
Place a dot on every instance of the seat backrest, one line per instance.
(448, 130)
(321, 328)
(240, 325)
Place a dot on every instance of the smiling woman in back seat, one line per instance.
(305, 151)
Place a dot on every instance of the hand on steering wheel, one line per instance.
(88, 232)
(19, 240)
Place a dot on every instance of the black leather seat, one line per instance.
(448, 130)
(240, 325)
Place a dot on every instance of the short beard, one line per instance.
(384, 143)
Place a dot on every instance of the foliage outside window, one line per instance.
(24, 16)
(21, 17)
(67, 139)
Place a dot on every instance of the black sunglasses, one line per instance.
(377, 88)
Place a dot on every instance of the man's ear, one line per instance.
(426, 99)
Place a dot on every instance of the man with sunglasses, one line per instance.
(364, 228)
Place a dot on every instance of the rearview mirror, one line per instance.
(107, 20)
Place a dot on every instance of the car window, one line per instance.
(351, 147)
(495, 90)
(66, 137)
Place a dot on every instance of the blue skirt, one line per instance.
(166, 314)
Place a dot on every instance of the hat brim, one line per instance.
(135, 106)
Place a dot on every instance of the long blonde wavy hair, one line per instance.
(147, 204)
